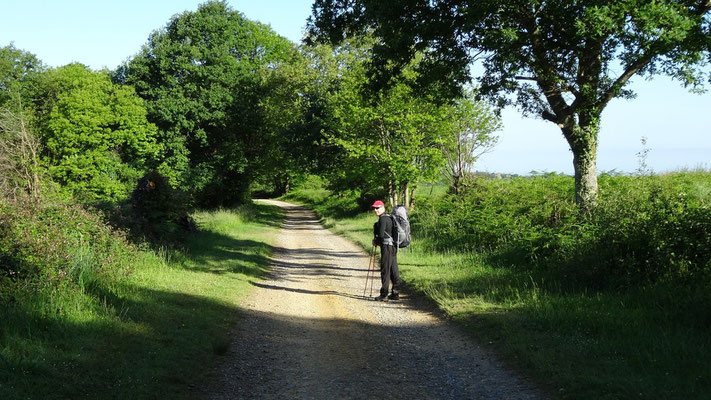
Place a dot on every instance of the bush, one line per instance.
(49, 245)
(652, 227)
(645, 229)
(521, 213)
(156, 211)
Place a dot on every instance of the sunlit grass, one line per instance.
(649, 341)
(142, 336)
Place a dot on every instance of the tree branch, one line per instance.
(636, 66)
(546, 78)
(614, 89)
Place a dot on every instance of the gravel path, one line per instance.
(309, 333)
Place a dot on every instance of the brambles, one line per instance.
(644, 229)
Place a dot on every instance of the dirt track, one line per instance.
(308, 333)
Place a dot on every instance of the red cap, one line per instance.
(377, 204)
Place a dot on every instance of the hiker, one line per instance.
(383, 237)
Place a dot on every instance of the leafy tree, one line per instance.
(559, 60)
(390, 139)
(205, 77)
(19, 146)
(291, 128)
(18, 68)
(472, 125)
(318, 77)
(97, 141)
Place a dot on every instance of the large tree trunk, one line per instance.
(585, 177)
(583, 143)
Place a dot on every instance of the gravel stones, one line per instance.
(308, 332)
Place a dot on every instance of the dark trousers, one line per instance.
(388, 269)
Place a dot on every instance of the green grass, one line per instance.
(150, 334)
(580, 345)
(646, 341)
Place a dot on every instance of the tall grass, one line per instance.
(86, 314)
(615, 304)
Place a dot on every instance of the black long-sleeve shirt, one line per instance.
(383, 229)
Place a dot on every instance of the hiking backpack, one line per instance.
(401, 226)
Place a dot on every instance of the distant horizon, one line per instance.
(599, 173)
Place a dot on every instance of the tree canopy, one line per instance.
(389, 140)
(17, 68)
(204, 78)
(97, 140)
(560, 60)
(473, 125)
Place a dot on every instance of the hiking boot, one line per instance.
(381, 298)
(394, 296)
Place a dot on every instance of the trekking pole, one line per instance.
(367, 276)
(372, 277)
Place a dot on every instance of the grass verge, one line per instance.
(143, 335)
(648, 341)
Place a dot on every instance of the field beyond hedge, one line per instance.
(614, 304)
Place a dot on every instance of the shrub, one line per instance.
(48, 245)
(521, 213)
(156, 211)
(645, 229)
(652, 227)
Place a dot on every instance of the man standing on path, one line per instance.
(383, 236)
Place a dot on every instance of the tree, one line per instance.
(17, 69)
(96, 138)
(292, 134)
(470, 135)
(204, 78)
(317, 80)
(391, 139)
(559, 60)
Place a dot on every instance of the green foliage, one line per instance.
(391, 139)
(555, 60)
(552, 43)
(18, 68)
(86, 314)
(652, 228)
(209, 85)
(97, 141)
(521, 214)
(645, 229)
(156, 211)
(470, 134)
(50, 246)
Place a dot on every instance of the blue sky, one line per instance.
(102, 34)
